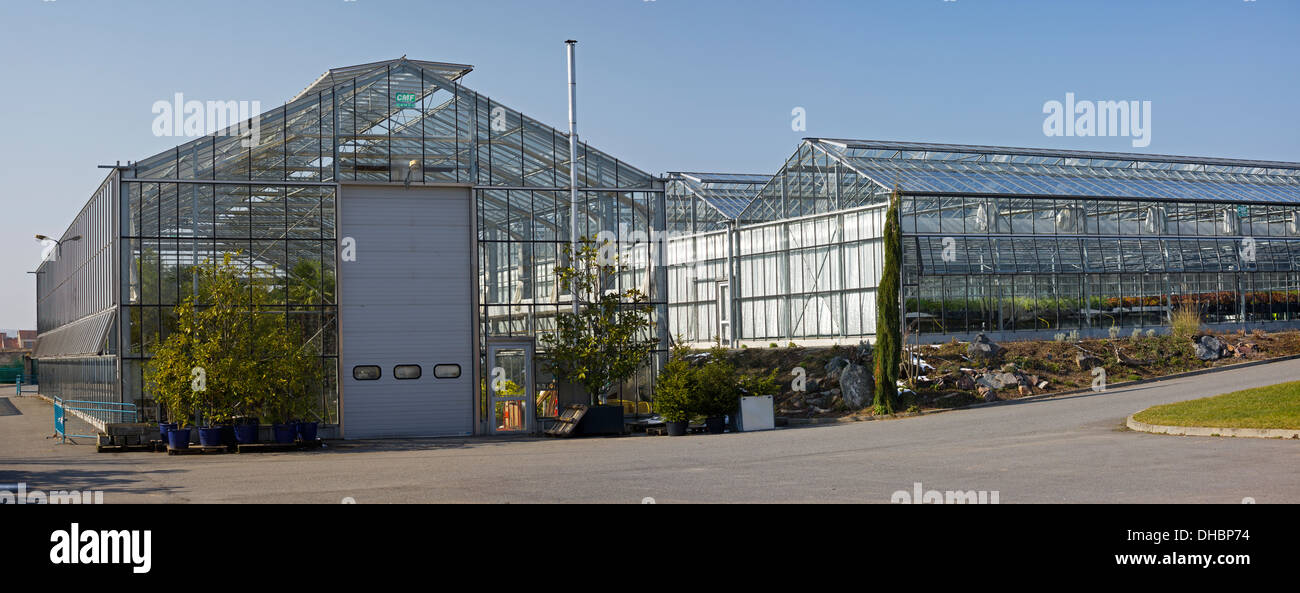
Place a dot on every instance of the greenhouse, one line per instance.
(455, 207)
(1006, 241)
(408, 229)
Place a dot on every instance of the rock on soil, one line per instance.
(1208, 347)
(855, 385)
(983, 350)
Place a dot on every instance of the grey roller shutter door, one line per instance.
(406, 300)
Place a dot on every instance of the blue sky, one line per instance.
(664, 84)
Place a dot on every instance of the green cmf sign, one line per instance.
(404, 99)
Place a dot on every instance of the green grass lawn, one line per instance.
(1275, 406)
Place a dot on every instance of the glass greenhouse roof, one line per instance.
(379, 122)
(941, 168)
(337, 76)
(395, 121)
(728, 193)
(830, 174)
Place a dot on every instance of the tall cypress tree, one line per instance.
(889, 338)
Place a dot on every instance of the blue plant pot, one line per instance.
(307, 431)
(163, 427)
(210, 437)
(285, 433)
(178, 438)
(246, 433)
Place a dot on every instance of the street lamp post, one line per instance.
(58, 243)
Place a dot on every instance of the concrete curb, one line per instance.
(1205, 431)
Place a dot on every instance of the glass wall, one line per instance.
(812, 277)
(281, 236)
(76, 303)
(265, 189)
(979, 263)
(522, 238)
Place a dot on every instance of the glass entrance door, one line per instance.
(509, 385)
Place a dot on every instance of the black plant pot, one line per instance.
(228, 435)
(715, 424)
(677, 429)
(606, 419)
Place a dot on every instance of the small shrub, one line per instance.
(1074, 335)
(1060, 337)
(1113, 331)
(717, 381)
(1151, 333)
(1136, 335)
(773, 345)
(760, 384)
(676, 388)
(1185, 321)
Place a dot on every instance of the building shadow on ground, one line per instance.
(48, 475)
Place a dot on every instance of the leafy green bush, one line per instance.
(759, 384)
(249, 361)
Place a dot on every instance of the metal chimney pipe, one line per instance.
(571, 45)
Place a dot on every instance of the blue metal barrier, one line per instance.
(125, 412)
(29, 379)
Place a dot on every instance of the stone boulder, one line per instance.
(964, 382)
(856, 385)
(1208, 347)
(836, 364)
(982, 350)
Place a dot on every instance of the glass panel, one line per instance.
(407, 371)
(507, 383)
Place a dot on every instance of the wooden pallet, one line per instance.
(198, 450)
(124, 448)
(567, 422)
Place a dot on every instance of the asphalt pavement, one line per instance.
(1063, 449)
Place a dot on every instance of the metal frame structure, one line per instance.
(1008, 241)
(267, 190)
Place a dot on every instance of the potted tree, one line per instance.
(676, 393)
(170, 377)
(606, 341)
(719, 395)
(233, 356)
